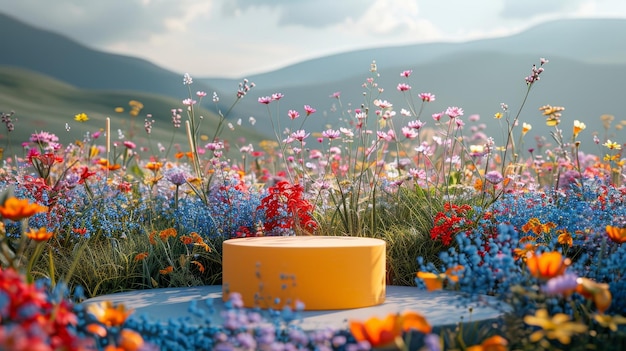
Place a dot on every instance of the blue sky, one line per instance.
(233, 38)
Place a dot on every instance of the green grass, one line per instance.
(42, 103)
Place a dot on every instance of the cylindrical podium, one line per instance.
(322, 272)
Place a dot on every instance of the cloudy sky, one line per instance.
(232, 38)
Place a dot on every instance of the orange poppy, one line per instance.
(596, 292)
(42, 234)
(388, 331)
(546, 265)
(109, 315)
(494, 343)
(616, 234)
(17, 209)
(130, 340)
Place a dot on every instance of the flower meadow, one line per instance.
(541, 227)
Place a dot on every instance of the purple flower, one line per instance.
(494, 177)
(176, 176)
(561, 284)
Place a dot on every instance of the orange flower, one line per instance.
(187, 240)
(167, 270)
(494, 343)
(42, 234)
(547, 265)
(130, 340)
(435, 281)
(80, 231)
(106, 165)
(166, 233)
(141, 256)
(596, 292)
(97, 329)
(565, 238)
(109, 315)
(154, 166)
(527, 250)
(203, 245)
(151, 237)
(388, 331)
(199, 265)
(16, 209)
(616, 234)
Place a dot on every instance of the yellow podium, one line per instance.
(322, 272)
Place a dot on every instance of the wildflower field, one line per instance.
(538, 224)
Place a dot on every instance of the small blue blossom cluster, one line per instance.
(239, 329)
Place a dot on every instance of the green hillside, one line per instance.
(42, 103)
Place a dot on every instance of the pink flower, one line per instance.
(331, 134)
(293, 114)
(403, 87)
(200, 94)
(426, 97)
(130, 144)
(454, 112)
(417, 124)
(189, 102)
(474, 118)
(406, 73)
(299, 135)
(309, 110)
(277, 96)
(437, 116)
(335, 95)
(383, 104)
(409, 133)
(265, 100)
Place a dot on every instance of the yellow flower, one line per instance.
(578, 127)
(526, 128)
(557, 327)
(119, 109)
(81, 117)
(498, 115)
(610, 322)
(612, 145)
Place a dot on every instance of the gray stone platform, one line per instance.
(441, 308)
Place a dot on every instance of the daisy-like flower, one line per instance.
(81, 117)
(309, 110)
(277, 96)
(403, 87)
(426, 97)
(383, 104)
(454, 112)
(265, 100)
(293, 114)
(611, 145)
(417, 124)
(526, 128)
(406, 73)
(299, 135)
(331, 134)
(335, 95)
(557, 327)
(409, 133)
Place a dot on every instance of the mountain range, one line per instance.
(585, 74)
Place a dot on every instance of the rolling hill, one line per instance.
(586, 71)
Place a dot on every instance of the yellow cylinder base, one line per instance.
(322, 272)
